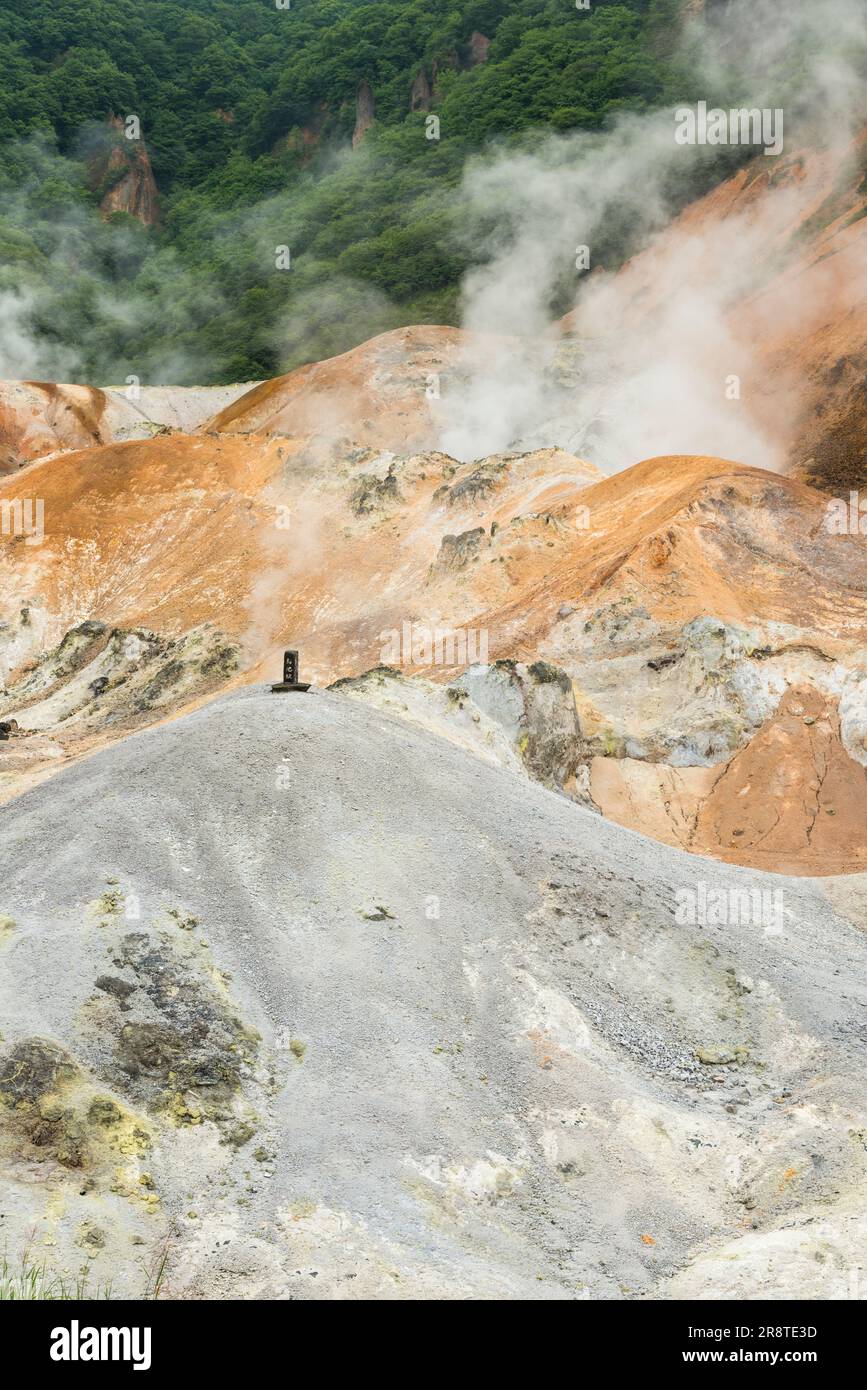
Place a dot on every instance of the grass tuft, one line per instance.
(31, 1281)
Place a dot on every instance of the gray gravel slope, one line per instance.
(380, 1020)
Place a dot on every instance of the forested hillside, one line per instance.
(306, 128)
(219, 86)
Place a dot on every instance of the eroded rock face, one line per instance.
(477, 485)
(445, 710)
(711, 744)
(683, 598)
(536, 708)
(420, 96)
(97, 683)
(365, 111)
(478, 48)
(520, 717)
(304, 140)
(372, 495)
(38, 418)
(122, 174)
(456, 552)
(793, 796)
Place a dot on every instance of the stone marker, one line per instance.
(290, 675)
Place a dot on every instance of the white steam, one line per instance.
(657, 361)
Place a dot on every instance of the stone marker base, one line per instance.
(283, 687)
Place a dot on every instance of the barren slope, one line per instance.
(38, 418)
(255, 535)
(684, 599)
(384, 394)
(441, 1042)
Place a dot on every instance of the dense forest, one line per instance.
(247, 111)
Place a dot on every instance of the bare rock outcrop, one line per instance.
(478, 48)
(304, 140)
(456, 552)
(121, 174)
(365, 108)
(420, 96)
(97, 683)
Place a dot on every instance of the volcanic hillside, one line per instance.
(386, 394)
(39, 418)
(708, 622)
(704, 621)
(321, 1006)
